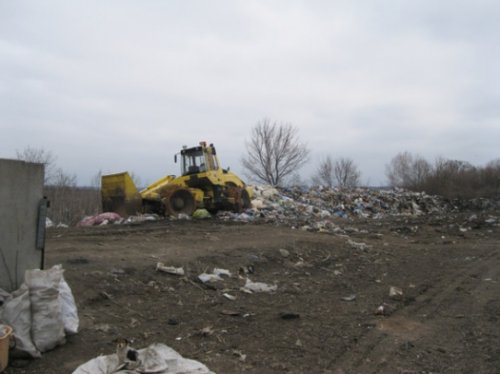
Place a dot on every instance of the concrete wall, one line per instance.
(21, 190)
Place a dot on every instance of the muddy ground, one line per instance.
(323, 318)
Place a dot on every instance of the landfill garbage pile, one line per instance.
(313, 209)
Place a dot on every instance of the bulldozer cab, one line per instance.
(198, 159)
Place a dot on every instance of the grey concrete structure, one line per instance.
(21, 192)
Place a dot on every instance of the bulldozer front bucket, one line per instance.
(120, 195)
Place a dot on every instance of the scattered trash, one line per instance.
(284, 252)
(48, 223)
(206, 331)
(317, 209)
(233, 313)
(222, 272)
(209, 278)
(103, 327)
(101, 219)
(250, 269)
(142, 218)
(358, 246)
(156, 358)
(251, 287)
(215, 276)
(385, 310)
(351, 297)
(201, 214)
(242, 357)
(395, 293)
(169, 269)
(229, 297)
(183, 217)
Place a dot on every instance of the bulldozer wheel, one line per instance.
(180, 201)
(245, 199)
(240, 196)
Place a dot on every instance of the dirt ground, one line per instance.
(323, 318)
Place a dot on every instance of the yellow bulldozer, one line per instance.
(202, 184)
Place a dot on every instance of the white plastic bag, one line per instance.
(157, 358)
(16, 312)
(68, 307)
(258, 287)
(46, 317)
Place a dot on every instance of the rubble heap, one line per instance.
(317, 208)
(313, 209)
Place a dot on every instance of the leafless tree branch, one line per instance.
(274, 152)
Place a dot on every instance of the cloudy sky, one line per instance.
(121, 85)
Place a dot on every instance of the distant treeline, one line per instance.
(452, 179)
(69, 203)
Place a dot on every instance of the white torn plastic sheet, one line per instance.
(160, 266)
(217, 275)
(222, 272)
(208, 278)
(258, 287)
(156, 358)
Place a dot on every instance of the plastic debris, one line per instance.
(317, 209)
(251, 287)
(395, 292)
(156, 358)
(215, 276)
(222, 272)
(101, 219)
(48, 222)
(142, 218)
(183, 217)
(384, 310)
(160, 266)
(229, 297)
(349, 298)
(284, 252)
(358, 246)
(209, 278)
(201, 214)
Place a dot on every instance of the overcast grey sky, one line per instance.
(122, 85)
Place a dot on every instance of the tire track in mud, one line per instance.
(416, 338)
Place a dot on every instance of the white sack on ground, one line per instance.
(68, 307)
(156, 358)
(16, 312)
(46, 317)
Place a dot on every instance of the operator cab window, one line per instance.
(193, 161)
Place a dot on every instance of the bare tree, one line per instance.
(324, 174)
(274, 152)
(346, 173)
(408, 171)
(40, 156)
